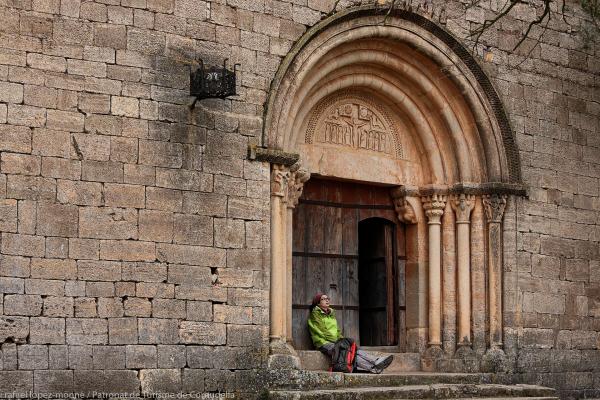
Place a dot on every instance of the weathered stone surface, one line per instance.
(208, 333)
(47, 330)
(158, 331)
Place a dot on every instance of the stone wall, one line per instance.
(134, 247)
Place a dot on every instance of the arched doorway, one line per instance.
(403, 106)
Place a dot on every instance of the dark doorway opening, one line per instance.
(377, 274)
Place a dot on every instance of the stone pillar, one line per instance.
(434, 209)
(494, 210)
(280, 176)
(298, 177)
(462, 206)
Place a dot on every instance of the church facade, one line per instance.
(445, 194)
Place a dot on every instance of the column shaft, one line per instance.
(289, 274)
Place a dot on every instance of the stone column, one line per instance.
(462, 206)
(434, 209)
(298, 177)
(494, 210)
(280, 176)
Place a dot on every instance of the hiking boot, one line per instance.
(383, 362)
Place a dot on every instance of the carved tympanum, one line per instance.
(352, 121)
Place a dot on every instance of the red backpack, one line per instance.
(344, 356)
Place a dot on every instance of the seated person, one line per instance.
(324, 332)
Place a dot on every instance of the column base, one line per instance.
(430, 358)
(495, 360)
(464, 350)
(282, 355)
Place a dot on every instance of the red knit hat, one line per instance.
(317, 299)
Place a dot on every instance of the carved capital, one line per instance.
(434, 207)
(494, 205)
(280, 176)
(404, 210)
(295, 186)
(462, 205)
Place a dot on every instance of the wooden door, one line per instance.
(326, 250)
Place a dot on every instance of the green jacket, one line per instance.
(323, 327)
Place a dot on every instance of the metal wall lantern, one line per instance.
(213, 82)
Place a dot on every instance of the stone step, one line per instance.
(314, 360)
(435, 391)
(312, 380)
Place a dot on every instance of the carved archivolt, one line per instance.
(354, 121)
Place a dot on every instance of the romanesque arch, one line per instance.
(397, 101)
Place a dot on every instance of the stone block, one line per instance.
(53, 382)
(31, 188)
(33, 356)
(46, 63)
(58, 306)
(15, 138)
(75, 288)
(193, 380)
(229, 277)
(171, 356)
(65, 121)
(61, 168)
(20, 164)
(53, 268)
(123, 330)
(208, 333)
(168, 308)
(247, 208)
(206, 293)
(57, 220)
(109, 307)
(549, 303)
(57, 247)
(22, 304)
(192, 255)
(51, 143)
(27, 216)
(199, 310)
(14, 266)
(232, 314)
(144, 272)
(158, 331)
(108, 357)
(140, 175)
(193, 229)
(189, 275)
(94, 103)
(45, 330)
(161, 154)
(90, 146)
(205, 204)
(125, 106)
(184, 180)
(12, 285)
(142, 356)
(8, 215)
(87, 331)
(102, 171)
(244, 335)
(124, 382)
(45, 287)
(23, 245)
(16, 381)
(99, 270)
(125, 289)
(124, 149)
(154, 290)
(138, 307)
(85, 307)
(248, 297)
(111, 36)
(246, 259)
(122, 195)
(577, 270)
(164, 199)
(26, 115)
(200, 356)
(154, 381)
(156, 226)
(99, 289)
(58, 356)
(107, 223)
(537, 338)
(104, 125)
(80, 357)
(84, 249)
(127, 250)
